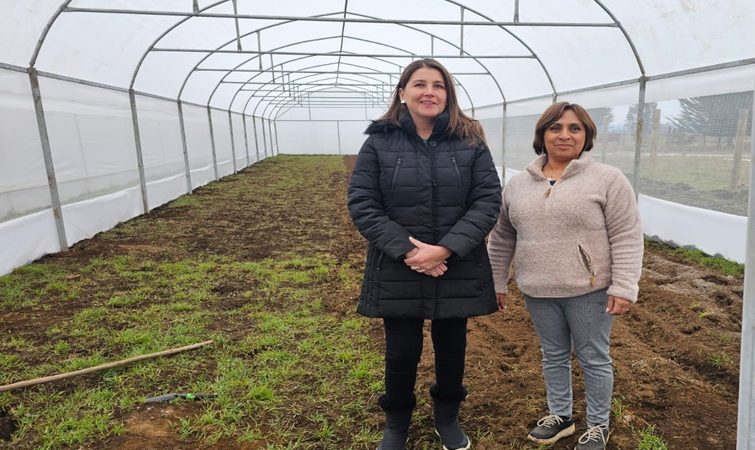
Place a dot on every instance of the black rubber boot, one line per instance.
(397, 421)
(446, 418)
(396, 430)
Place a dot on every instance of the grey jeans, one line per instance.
(583, 322)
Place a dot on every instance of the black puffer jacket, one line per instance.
(442, 192)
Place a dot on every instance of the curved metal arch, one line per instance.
(46, 30)
(469, 97)
(320, 65)
(532, 52)
(317, 65)
(280, 108)
(270, 102)
(291, 60)
(191, 72)
(626, 36)
(300, 58)
(261, 99)
(334, 73)
(271, 67)
(327, 78)
(171, 28)
(304, 57)
(197, 13)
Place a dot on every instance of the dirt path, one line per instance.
(676, 355)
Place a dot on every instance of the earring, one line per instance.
(403, 102)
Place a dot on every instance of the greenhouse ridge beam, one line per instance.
(353, 55)
(322, 72)
(341, 19)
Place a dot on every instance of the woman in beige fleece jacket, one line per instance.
(572, 228)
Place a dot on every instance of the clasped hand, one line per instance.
(427, 259)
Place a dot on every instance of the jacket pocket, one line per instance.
(396, 168)
(587, 263)
(456, 169)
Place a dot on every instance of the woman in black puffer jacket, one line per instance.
(425, 193)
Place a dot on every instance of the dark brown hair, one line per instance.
(458, 123)
(551, 116)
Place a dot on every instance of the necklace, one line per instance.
(552, 176)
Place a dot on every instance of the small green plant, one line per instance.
(618, 408)
(707, 315)
(650, 440)
(719, 360)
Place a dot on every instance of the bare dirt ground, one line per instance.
(675, 356)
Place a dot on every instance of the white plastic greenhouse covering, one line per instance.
(109, 108)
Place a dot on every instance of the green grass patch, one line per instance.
(287, 369)
(700, 258)
(287, 355)
(650, 440)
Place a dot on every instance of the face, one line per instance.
(425, 94)
(565, 138)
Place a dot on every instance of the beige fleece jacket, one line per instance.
(577, 236)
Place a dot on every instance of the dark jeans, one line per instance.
(403, 348)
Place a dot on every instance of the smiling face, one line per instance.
(565, 138)
(425, 95)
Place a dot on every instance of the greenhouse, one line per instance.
(118, 115)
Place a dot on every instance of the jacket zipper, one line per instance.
(588, 265)
(548, 193)
(380, 259)
(456, 168)
(395, 171)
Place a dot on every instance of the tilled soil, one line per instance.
(675, 355)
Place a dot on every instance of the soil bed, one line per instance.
(676, 355)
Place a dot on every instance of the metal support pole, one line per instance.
(212, 143)
(246, 140)
(503, 146)
(236, 19)
(139, 158)
(264, 137)
(270, 130)
(275, 127)
(338, 132)
(746, 414)
(185, 148)
(256, 141)
(638, 136)
(233, 144)
(461, 34)
(47, 155)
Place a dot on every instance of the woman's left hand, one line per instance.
(617, 305)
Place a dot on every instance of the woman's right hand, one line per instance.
(501, 299)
